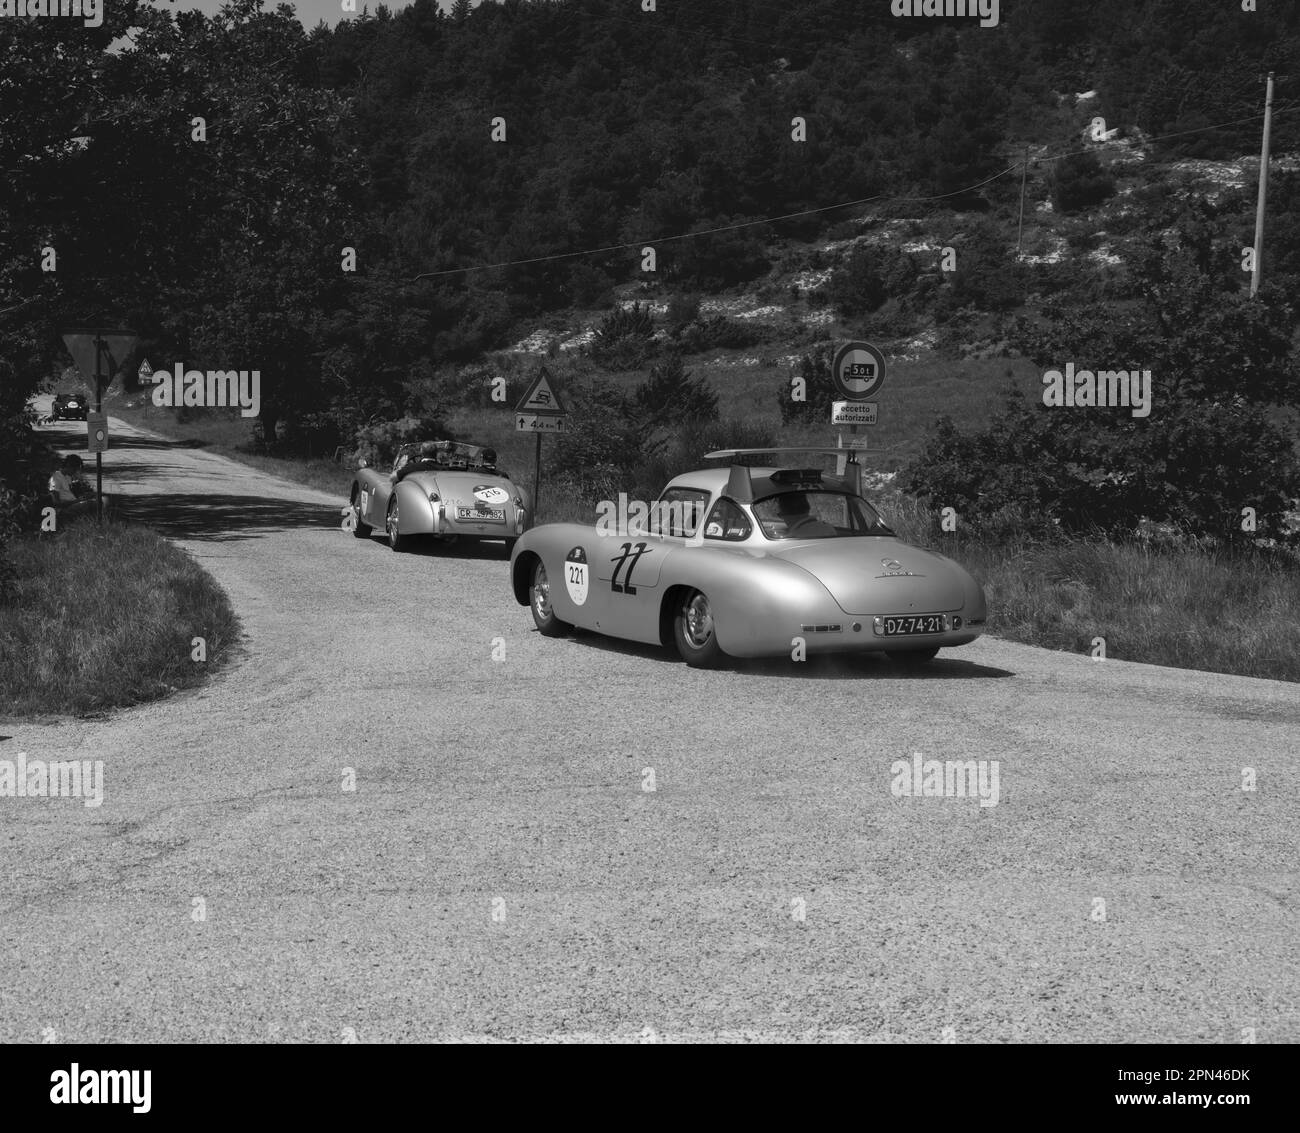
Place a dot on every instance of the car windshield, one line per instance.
(451, 454)
(817, 515)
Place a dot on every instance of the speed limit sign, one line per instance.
(858, 371)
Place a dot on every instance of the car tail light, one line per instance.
(520, 518)
(434, 497)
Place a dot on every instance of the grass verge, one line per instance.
(102, 618)
(1176, 604)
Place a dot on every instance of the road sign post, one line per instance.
(857, 372)
(99, 354)
(540, 411)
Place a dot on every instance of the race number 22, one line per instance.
(626, 587)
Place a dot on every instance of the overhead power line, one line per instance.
(1017, 167)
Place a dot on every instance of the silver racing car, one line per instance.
(446, 489)
(750, 562)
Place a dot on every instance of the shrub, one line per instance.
(1079, 182)
(721, 333)
(670, 396)
(815, 369)
(624, 339)
(683, 309)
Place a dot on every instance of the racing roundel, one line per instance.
(575, 575)
(490, 494)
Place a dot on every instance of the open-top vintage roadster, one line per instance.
(751, 562)
(446, 489)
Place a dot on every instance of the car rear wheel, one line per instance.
(694, 631)
(396, 540)
(548, 625)
(360, 530)
(911, 657)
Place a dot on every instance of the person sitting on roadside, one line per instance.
(70, 494)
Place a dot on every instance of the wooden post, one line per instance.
(537, 477)
(1024, 173)
(1256, 272)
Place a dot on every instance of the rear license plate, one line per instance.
(906, 624)
(484, 515)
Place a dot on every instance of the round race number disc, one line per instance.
(575, 575)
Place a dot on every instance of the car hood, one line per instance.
(869, 575)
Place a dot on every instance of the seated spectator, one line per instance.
(69, 493)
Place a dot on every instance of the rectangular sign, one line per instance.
(96, 432)
(854, 412)
(538, 423)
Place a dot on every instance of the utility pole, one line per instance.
(1024, 173)
(1263, 190)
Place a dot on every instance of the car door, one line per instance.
(374, 489)
(628, 569)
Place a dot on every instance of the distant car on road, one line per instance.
(70, 407)
(445, 489)
(751, 562)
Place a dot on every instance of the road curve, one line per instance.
(501, 872)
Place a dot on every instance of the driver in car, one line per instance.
(793, 509)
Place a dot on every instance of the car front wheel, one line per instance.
(396, 540)
(548, 625)
(359, 529)
(695, 633)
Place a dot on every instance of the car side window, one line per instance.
(727, 522)
(679, 511)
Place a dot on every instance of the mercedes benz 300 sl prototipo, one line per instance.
(751, 562)
(446, 489)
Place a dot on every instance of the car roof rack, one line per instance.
(740, 483)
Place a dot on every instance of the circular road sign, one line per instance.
(858, 371)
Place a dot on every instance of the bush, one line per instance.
(1079, 182)
(857, 287)
(683, 309)
(670, 396)
(815, 369)
(600, 445)
(624, 340)
(721, 333)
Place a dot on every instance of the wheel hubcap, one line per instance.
(392, 522)
(541, 593)
(698, 621)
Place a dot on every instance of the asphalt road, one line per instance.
(500, 872)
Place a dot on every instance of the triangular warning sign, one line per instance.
(99, 352)
(541, 398)
(145, 373)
